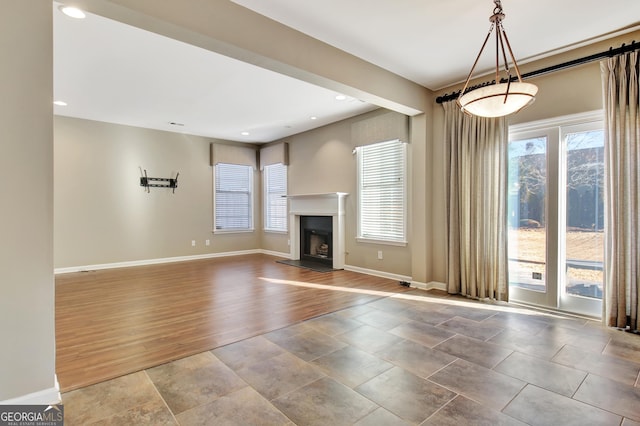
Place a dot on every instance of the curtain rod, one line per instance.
(606, 54)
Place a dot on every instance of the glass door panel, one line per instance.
(582, 271)
(527, 221)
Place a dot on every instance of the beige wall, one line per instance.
(103, 215)
(27, 354)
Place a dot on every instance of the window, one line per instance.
(382, 192)
(233, 197)
(275, 201)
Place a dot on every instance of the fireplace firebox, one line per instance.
(316, 239)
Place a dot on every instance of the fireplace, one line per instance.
(316, 239)
(317, 228)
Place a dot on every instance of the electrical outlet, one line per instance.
(379, 254)
(193, 243)
(536, 275)
(207, 242)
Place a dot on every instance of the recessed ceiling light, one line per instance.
(245, 133)
(60, 103)
(340, 97)
(72, 12)
(313, 117)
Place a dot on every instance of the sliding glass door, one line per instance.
(555, 214)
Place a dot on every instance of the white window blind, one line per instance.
(233, 197)
(382, 192)
(275, 201)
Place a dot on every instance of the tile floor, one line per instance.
(415, 359)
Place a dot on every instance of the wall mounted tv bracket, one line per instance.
(165, 182)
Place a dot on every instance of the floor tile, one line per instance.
(152, 413)
(472, 311)
(242, 407)
(422, 333)
(485, 386)
(279, 375)
(537, 406)
(517, 321)
(527, 343)
(427, 314)
(287, 332)
(333, 324)
(545, 374)
(391, 305)
(608, 366)
(324, 402)
(381, 417)
(369, 339)
(381, 319)
(473, 350)
(355, 311)
(193, 381)
(610, 395)
(247, 352)
(565, 321)
(629, 422)
(470, 328)
(111, 398)
(420, 360)
(624, 345)
(310, 345)
(351, 366)
(463, 411)
(406, 395)
(594, 338)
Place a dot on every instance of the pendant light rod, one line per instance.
(553, 68)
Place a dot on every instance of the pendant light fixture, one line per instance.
(497, 99)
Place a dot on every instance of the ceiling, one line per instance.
(112, 72)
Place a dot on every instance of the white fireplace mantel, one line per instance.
(325, 204)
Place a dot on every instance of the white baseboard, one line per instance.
(158, 261)
(44, 397)
(375, 273)
(432, 285)
(276, 253)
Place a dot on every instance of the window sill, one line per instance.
(232, 231)
(381, 242)
(276, 231)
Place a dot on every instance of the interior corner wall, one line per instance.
(421, 208)
(103, 215)
(27, 357)
(321, 161)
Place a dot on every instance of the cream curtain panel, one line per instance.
(476, 171)
(622, 212)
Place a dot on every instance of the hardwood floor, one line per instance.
(113, 322)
